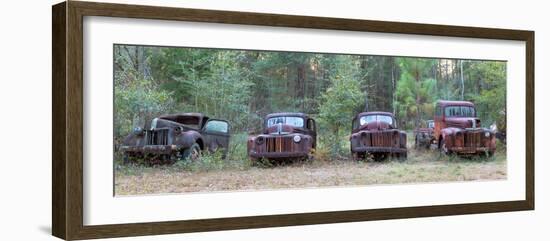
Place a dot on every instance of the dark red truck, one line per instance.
(285, 136)
(458, 130)
(376, 133)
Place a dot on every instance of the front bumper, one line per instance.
(425, 140)
(278, 155)
(150, 149)
(379, 149)
(471, 150)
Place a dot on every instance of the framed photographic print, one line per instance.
(170, 120)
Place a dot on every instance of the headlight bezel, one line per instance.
(297, 139)
(138, 131)
(259, 140)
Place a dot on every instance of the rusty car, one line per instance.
(423, 136)
(285, 136)
(177, 137)
(376, 134)
(458, 130)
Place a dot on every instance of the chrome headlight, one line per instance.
(138, 131)
(297, 138)
(487, 134)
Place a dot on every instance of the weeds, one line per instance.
(236, 172)
(212, 174)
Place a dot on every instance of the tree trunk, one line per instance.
(336, 141)
(417, 82)
(462, 79)
(393, 84)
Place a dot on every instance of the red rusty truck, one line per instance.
(376, 134)
(458, 130)
(285, 136)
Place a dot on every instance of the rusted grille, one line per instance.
(157, 137)
(472, 139)
(379, 139)
(278, 144)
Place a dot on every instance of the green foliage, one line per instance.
(236, 157)
(237, 149)
(424, 81)
(339, 103)
(414, 92)
(137, 97)
(243, 86)
(137, 103)
(489, 78)
(207, 162)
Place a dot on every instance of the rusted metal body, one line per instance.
(376, 133)
(458, 130)
(177, 137)
(424, 136)
(284, 136)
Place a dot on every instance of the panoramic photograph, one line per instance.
(190, 120)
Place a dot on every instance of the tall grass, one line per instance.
(237, 157)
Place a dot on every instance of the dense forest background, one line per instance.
(243, 86)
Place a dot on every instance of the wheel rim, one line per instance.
(195, 154)
(444, 148)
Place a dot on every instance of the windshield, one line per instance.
(461, 111)
(370, 118)
(287, 120)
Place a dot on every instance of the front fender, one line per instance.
(188, 138)
(134, 140)
(448, 133)
(251, 143)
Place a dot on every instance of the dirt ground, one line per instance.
(420, 167)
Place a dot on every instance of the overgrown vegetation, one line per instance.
(422, 166)
(243, 86)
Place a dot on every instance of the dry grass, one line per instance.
(421, 166)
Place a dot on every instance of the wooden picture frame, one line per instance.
(67, 122)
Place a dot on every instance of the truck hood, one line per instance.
(424, 129)
(463, 122)
(375, 125)
(282, 129)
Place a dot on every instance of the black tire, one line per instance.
(191, 154)
(264, 163)
(402, 156)
(253, 161)
(380, 157)
(358, 156)
(443, 148)
(309, 158)
(488, 154)
(127, 159)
